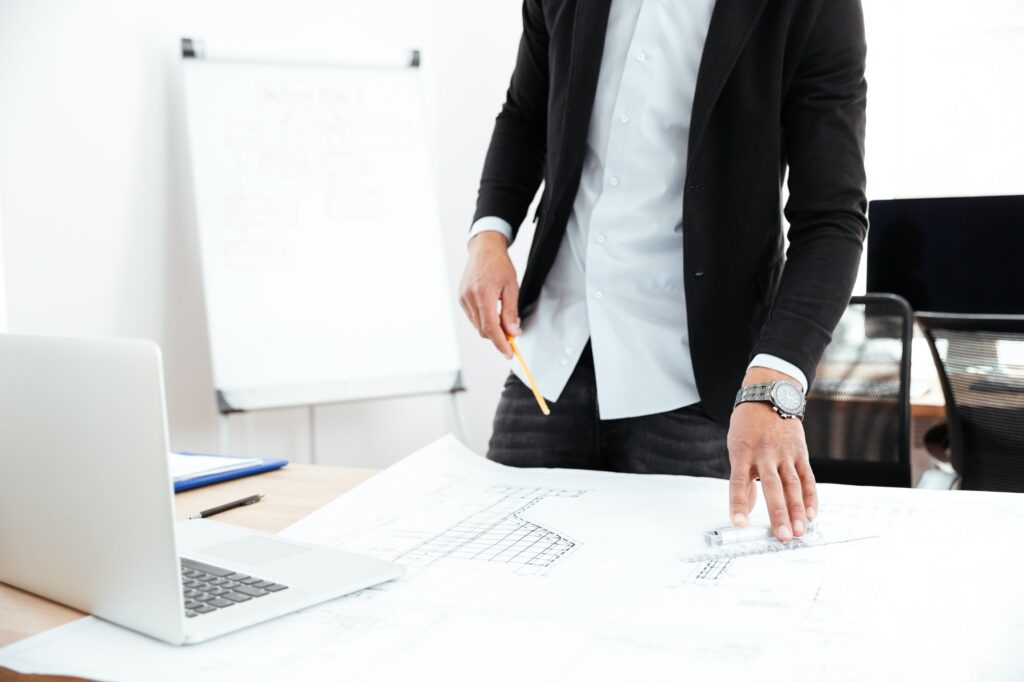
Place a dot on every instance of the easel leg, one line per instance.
(225, 434)
(461, 429)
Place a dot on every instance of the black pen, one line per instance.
(252, 499)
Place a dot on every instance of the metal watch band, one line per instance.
(754, 393)
(763, 393)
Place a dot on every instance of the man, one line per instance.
(655, 286)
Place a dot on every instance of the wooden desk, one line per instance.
(292, 493)
(931, 404)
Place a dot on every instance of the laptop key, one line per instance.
(220, 603)
(205, 568)
(207, 588)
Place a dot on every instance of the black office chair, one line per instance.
(858, 409)
(980, 359)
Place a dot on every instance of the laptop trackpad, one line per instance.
(253, 551)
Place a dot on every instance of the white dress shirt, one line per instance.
(617, 279)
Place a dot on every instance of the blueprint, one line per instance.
(547, 574)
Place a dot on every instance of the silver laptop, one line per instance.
(86, 504)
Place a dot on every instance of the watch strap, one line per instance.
(762, 393)
(755, 393)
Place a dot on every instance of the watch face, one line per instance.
(788, 397)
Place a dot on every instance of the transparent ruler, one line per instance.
(732, 543)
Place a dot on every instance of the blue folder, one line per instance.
(210, 479)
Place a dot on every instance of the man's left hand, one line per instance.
(764, 445)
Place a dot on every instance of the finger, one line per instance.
(473, 310)
(794, 497)
(809, 486)
(490, 325)
(751, 496)
(740, 483)
(469, 309)
(510, 309)
(775, 499)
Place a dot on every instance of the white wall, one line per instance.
(97, 219)
(3, 277)
(97, 215)
(945, 98)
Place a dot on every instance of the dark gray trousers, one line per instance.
(684, 441)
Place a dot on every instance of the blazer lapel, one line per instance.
(590, 23)
(732, 22)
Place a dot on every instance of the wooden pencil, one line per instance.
(529, 377)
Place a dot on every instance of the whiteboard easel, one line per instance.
(323, 268)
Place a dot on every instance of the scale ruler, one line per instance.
(772, 546)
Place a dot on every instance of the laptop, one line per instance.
(87, 511)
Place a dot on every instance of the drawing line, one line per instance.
(498, 533)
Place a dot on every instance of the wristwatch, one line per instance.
(785, 398)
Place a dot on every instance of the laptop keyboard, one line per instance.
(209, 588)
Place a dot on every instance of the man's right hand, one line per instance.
(490, 278)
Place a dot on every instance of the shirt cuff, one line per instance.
(491, 224)
(779, 365)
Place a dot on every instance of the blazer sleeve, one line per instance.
(514, 165)
(823, 127)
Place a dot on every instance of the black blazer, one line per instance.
(781, 83)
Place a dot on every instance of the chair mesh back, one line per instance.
(856, 421)
(984, 381)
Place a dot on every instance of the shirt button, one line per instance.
(641, 56)
(624, 118)
(563, 362)
(568, 350)
(614, 182)
(601, 239)
(599, 294)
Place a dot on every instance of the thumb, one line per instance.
(510, 309)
